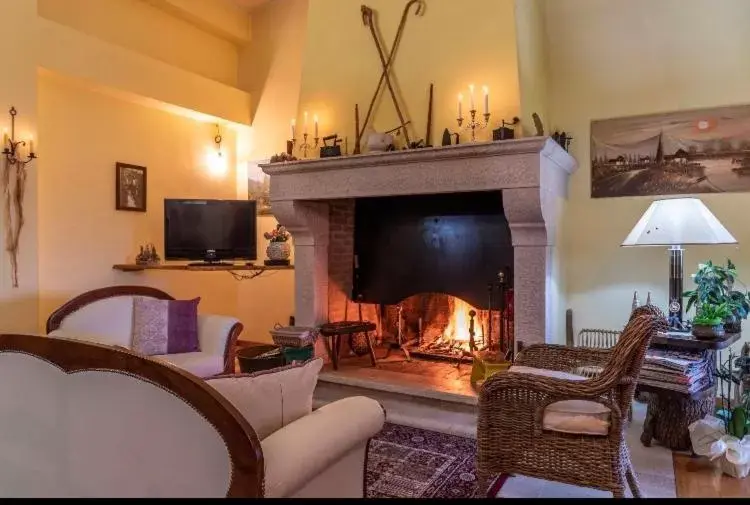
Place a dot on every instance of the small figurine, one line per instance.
(447, 140)
(636, 303)
(648, 298)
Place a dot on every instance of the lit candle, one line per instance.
(315, 119)
(486, 99)
(460, 106)
(31, 144)
(5, 138)
(305, 123)
(294, 124)
(471, 97)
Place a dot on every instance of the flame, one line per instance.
(458, 325)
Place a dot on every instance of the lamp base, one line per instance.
(676, 255)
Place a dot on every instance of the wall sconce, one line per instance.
(12, 149)
(217, 163)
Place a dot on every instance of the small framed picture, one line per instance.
(130, 187)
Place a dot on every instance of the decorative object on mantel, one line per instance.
(13, 188)
(278, 250)
(147, 256)
(357, 135)
(368, 18)
(282, 157)
(428, 133)
(379, 142)
(473, 125)
(563, 139)
(447, 138)
(538, 124)
(305, 145)
(504, 132)
(130, 187)
(333, 150)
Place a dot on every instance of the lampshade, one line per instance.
(678, 221)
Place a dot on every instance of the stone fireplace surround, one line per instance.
(314, 200)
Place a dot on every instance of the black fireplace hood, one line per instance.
(454, 244)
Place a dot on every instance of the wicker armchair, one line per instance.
(513, 432)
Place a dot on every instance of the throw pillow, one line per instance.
(165, 326)
(271, 399)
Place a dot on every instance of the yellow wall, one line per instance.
(453, 45)
(531, 40)
(81, 234)
(141, 27)
(19, 306)
(612, 59)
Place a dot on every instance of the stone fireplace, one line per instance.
(321, 202)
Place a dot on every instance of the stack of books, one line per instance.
(681, 371)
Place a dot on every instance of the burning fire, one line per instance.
(458, 325)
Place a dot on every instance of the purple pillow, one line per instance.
(165, 326)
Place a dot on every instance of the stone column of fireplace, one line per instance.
(532, 174)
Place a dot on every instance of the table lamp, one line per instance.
(676, 222)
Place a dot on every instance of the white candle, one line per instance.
(305, 123)
(460, 106)
(294, 124)
(486, 100)
(471, 96)
(5, 138)
(315, 119)
(31, 144)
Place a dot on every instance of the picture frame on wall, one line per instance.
(677, 153)
(130, 187)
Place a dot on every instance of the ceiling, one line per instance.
(249, 5)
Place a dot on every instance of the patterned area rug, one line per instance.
(406, 462)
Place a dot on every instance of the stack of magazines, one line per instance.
(681, 371)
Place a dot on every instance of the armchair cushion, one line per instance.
(165, 326)
(571, 416)
(200, 364)
(271, 399)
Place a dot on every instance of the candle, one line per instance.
(305, 122)
(315, 119)
(471, 97)
(31, 144)
(486, 100)
(5, 138)
(460, 106)
(294, 124)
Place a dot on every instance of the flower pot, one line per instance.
(278, 251)
(733, 326)
(701, 331)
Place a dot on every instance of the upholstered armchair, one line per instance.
(105, 316)
(83, 420)
(541, 419)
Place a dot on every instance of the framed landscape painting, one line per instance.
(689, 152)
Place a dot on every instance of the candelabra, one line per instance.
(11, 147)
(305, 145)
(473, 125)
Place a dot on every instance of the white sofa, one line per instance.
(86, 420)
(105, 316)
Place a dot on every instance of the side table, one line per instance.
(670, 412)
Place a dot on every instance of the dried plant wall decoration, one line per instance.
(17, 154)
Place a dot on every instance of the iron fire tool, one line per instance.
(331, 151)
(367, 19)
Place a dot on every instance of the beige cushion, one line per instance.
(271, 399)
(200, 364)
(571, 416)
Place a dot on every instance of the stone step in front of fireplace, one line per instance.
(438, 398)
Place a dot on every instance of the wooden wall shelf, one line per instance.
(213, 268)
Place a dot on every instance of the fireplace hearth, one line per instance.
(320, 201)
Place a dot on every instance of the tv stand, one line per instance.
(208, 264)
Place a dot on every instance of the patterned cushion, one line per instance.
(165, 326)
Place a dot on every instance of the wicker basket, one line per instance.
(261, 357)
(292, 354)
(293, 336)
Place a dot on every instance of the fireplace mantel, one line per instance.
(532, 174)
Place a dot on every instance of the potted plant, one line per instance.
(278, 250)
(714, 284)
(709, 320)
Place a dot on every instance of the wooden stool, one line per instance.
(336, 330)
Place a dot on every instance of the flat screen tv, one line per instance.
(209, 230)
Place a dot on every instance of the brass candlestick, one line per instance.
(304, 146)
(473, 125)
